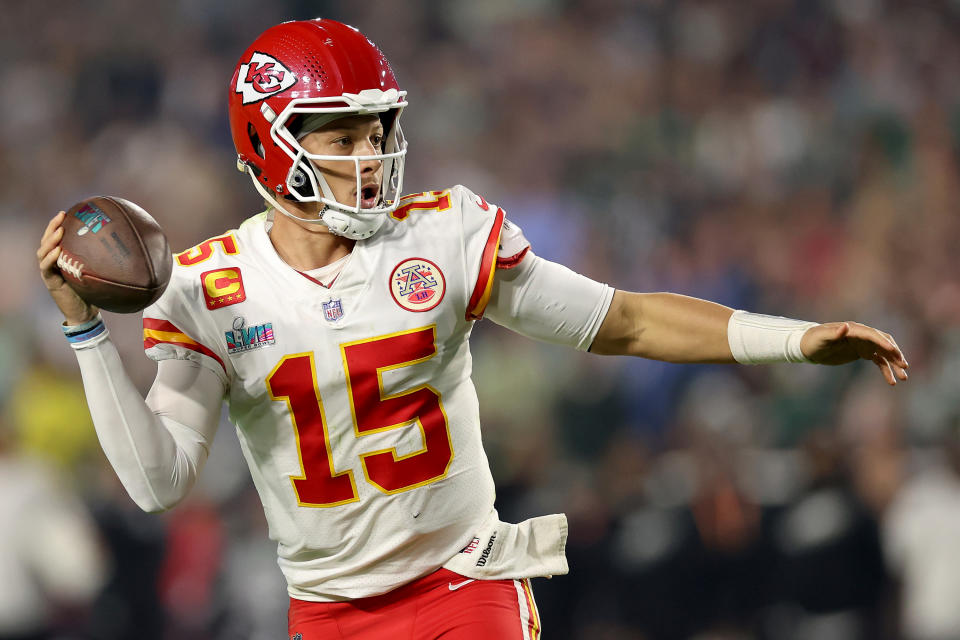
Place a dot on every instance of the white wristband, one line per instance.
(755, 338)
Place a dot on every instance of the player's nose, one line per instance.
(368, 166)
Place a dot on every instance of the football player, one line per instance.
(335, 325)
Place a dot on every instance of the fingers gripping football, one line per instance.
(75, 310)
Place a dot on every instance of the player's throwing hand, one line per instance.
(74, 309)
(842, 342)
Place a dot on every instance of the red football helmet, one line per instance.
(314, 67)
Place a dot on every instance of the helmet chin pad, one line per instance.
(349, 224)
(352, 225)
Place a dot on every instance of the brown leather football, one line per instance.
(114, 255)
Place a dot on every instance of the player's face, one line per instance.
(350, 136)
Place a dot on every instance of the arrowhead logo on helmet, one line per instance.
(263, 77)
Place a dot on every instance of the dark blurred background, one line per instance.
(796, 157)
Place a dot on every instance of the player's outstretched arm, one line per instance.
(156, 446)
(675, 328)
(548, 302)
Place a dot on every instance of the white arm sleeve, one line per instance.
(156, 446)
(549, 302)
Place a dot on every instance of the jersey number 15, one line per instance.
(294, 381)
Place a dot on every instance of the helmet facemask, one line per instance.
(305, 183)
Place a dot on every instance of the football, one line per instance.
(114, 254)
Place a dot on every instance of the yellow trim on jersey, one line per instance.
(431, 201)
(488, 288)
(481, 305)
(532, 606)
(168, 336)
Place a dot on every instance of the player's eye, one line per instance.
(377, 139)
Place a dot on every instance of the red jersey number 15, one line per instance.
(293, 381)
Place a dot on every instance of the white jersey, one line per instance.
(353, 404)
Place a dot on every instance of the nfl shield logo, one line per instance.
(332, 310)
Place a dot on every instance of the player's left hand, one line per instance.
(842, 342)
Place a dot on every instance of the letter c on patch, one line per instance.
(222, 287)
(222, 282)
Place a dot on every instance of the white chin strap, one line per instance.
(354, 226)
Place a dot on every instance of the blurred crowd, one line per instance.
(794, 157)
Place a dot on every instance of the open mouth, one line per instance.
(369, 196)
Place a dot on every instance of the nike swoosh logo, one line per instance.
(454, 587)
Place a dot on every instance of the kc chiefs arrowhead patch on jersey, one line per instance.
(262, 77)
(222, 287)
(417, 284)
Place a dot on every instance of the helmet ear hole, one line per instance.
(300, 181)
(255, 140)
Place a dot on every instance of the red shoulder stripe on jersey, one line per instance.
(512, 261)
(481, 291)
(159, 325)
(164, 332)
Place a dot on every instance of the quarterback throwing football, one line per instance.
(336, 326)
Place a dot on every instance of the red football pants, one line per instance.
(441, 606)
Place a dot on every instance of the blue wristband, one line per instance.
(85, 331)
